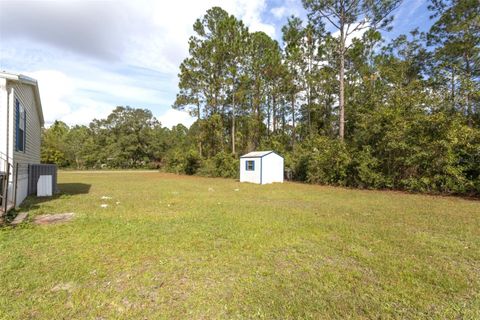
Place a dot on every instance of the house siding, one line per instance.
(3, 122)
(26, 96)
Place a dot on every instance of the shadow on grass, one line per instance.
(32, 202)
(65, 189)
(74, 188)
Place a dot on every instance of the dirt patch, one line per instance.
(53, 218)
(68, 286)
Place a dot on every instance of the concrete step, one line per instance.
(10, 206)
(19, 218)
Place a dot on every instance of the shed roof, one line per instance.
(256, 154)
(29, 81)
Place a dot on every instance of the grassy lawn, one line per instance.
(189, 248)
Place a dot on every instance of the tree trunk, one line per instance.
(453, 89)
(309, 113)
(233, 124)
(341, 98)
(309, 96)
(198, 120)
(293, 120)
(268, 115)
(467, 98)
(341, 95)
(274, 114)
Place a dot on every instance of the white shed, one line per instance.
(261, 167)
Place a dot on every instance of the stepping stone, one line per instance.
(53, 218)
(19, 218)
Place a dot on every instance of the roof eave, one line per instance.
(28, 81)
(261, 156)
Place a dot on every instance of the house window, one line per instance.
(20, 124)
(250, 165)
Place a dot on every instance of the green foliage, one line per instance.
(412, 112)
(366, 170)
(221, 165)
(175, 161)
(192, 162)
(54, 146)
(323, 160)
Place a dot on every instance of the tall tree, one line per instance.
(54, 144)
(235, 36)
(455, 35)
(292, 37)
(209, 77)
(348, 17)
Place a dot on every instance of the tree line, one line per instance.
(361, 112)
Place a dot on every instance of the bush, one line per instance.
(221, 165)
(322, 160)
(174, 162)
(192, 162)
(435, 161)
(366, 171)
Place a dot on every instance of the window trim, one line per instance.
(20, 141)
(247, 162)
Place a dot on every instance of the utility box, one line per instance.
(37, 170)
(44, 186)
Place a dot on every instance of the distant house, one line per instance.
(261, 167)
(21, 122)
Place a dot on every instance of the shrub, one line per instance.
(322, 160)
(174, 162)
(366, 171)
(192, 162)
(221, 165)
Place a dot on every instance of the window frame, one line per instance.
(20, 127)
(249, 168)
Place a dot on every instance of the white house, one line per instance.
(261, 167)
(21, 122)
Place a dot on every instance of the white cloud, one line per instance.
(173, 117)
(77, 99)
(84, 114)
(90, 56)
(166, 44)
(61, 99)
(357, 34)
(278, 12)
(55, 90)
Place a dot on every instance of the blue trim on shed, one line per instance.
(261, 169)
(246, 165)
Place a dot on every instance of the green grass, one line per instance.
(195, 248)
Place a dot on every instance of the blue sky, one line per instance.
(90, 56)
